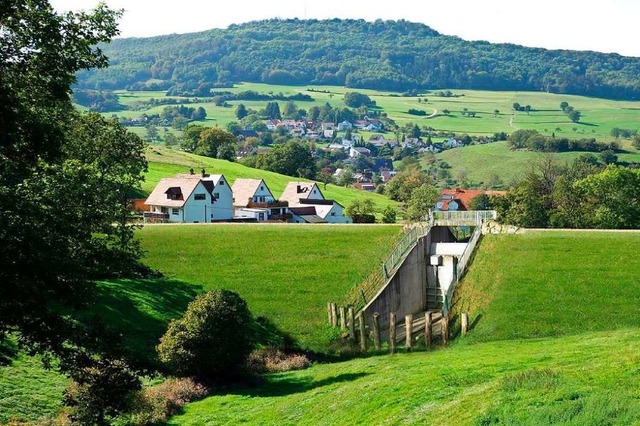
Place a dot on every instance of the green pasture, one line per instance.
(552, 283)
(480, 162)
(165, 162)
(587, 379)
(555, 340)
(599, 116)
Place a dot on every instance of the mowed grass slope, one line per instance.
(287, 273)
(552, 283)
(165, 162)
(579, 290)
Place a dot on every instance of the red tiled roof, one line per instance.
(464, 196)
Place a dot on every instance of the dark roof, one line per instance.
(209, 185)
(318, 202)
(301, 211)
(312, 218)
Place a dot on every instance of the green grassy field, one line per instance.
(480, 162)
(165, 162)
(599, 116)
(552, 284)
(287, 273)
(272, 265)
(580, 380)
(577, 289)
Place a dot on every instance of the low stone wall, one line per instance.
(493, 227)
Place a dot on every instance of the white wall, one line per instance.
(262, 194)
(222, 208)
(336, 215)
(197, 210)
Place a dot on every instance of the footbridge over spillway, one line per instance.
(421, 273)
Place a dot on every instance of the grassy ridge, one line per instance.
(480, 162)
(552, 284)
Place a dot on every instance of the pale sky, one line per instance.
(600, 25)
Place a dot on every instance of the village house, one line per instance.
(190, 198)
(308, 205)
(358, 151)
(344, 126)
(253, 200)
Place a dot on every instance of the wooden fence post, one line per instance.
(428, 329)
(343, 318)
(352, 325)
(392, 333)
(408, 328)
(363, 332)
(465, 323)
(444, 324)
(376, 331)
(329, 312)
(334, 315)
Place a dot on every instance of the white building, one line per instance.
(307, 204)
(252, 199)
(191, 198)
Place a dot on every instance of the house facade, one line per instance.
(308, 205)
(191, 199)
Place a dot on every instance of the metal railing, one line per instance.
(461, 268)
(465, 216)
(365, 291)
(402, 248)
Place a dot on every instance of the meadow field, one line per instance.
(599, 116)
(555, 340)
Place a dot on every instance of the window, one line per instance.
(221, 182)
(216, 195)
(163, 210)
(200, 197)
(333, 213)
(175, 211)
(262, 188)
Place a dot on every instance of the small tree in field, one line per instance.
(212, 340)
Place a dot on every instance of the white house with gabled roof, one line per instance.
(304, 196)
(191, 198)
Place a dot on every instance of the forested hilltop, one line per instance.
(385, 55)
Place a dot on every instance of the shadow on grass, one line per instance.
(283, 386)
(141, 309)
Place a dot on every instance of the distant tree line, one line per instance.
(384, 55)
(98, 100)
(578, 195)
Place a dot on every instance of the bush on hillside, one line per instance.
(155, 404)
(212, 340)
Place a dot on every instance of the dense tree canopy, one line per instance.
(388, 55)
(64, 179)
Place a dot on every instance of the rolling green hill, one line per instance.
(481, 162)
(287, 274)
(167, 163)
(385, 55)
(556, 339)
(599, 115)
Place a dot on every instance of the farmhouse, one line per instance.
(252, 199)
(190, 198)
(307, 204)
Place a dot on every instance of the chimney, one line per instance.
(191, 172)
(204, 173)
(298, 189)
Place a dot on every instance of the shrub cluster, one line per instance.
(271, 360)
(534, 141)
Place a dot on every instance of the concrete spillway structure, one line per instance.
(420, 283)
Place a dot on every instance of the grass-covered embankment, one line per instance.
(578, 289)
